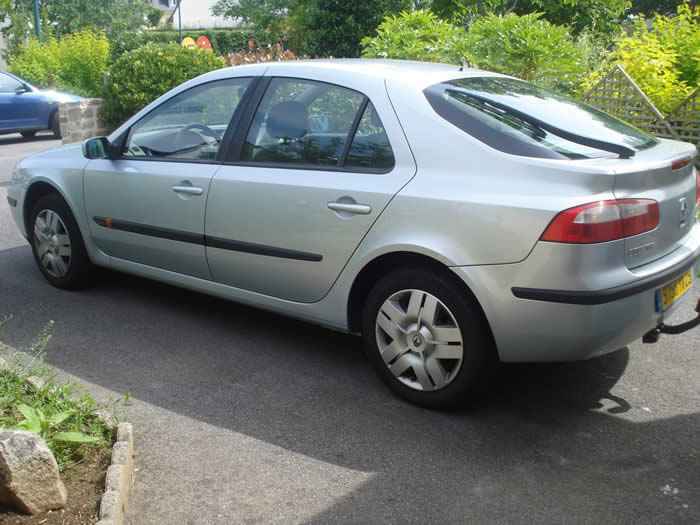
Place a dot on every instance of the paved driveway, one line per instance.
(246, 417)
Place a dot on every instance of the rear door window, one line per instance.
(306, 123)
(481, 107)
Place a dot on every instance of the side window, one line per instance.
(189, 126)
(302, 122)
(8, 84)
(370, 147)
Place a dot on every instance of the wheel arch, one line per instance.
(382, 265)
(36, 191)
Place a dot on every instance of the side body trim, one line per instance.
(205, 240)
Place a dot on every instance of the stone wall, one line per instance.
(81, 120)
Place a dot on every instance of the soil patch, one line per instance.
(85, 484)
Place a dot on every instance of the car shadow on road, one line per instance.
(6, 140)
(548, 438)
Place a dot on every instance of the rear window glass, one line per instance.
(480, 107)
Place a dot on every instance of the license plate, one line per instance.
(670, 293)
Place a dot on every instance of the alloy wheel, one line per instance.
(52, 243)
(419, 340)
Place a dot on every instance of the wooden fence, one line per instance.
(619, 95)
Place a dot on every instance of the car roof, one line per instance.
(411, 72)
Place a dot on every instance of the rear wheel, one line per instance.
(55, 126)
(427, 339)
(57, 244)
(28, 134)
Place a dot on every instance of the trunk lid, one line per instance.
(648, 175)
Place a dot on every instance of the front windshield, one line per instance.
(465, 103)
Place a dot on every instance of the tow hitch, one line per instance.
(653, 335)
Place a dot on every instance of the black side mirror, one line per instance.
(21, 89)
(98, 148)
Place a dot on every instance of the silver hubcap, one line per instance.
(52, 243)
(419, 340)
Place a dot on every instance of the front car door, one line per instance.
(148, 206)
(21, 107)
(315, 168)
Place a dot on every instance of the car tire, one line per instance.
(28, 134)
(56, 126)
(57, 244)
(456, 372)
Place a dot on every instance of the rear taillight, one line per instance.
(603, 221)
(697, 189)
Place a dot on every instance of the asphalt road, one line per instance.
(243, 416)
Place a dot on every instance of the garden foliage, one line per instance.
(75, 63)
(662, 55)
(224, 41)
(417, 35)
(524, 46)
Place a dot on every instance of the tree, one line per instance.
(336, 27)
(62, 17)
(263, 15)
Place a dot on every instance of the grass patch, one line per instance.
(63, 414)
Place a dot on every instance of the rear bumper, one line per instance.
(534, 318)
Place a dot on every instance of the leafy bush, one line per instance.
(142, 75)
(224, 41)
(663, 58)
(75, 63)
(523, 46)
(526, 47)
(416, 35)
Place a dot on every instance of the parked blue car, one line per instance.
(26, 109)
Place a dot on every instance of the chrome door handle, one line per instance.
(347, 207)
(188, 190)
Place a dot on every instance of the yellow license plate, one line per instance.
(677, 289)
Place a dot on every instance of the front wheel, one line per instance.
(57, 244)
(427, 338)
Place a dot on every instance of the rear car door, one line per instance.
(315, 168)
(148, 206)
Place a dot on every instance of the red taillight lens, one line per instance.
(697, 189)
(603, 221)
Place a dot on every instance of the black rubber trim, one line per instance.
(151, 231)
(604, 296)
(205, 240)
(12, 202)
(261, 249)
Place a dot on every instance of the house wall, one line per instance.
(196, 14)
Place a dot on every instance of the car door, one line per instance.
(148, 205)
(317, 165)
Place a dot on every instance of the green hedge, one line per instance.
(223, 41)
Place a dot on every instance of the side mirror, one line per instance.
(98, 148)
(21, 89)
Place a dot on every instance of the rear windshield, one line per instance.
(465, 103)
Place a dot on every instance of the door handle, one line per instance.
(188, 190)
(347, 207)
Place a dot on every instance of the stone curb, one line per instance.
(119, 479)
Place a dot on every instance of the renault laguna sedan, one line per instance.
(451, 217)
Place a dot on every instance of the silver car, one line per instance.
(452, 217)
